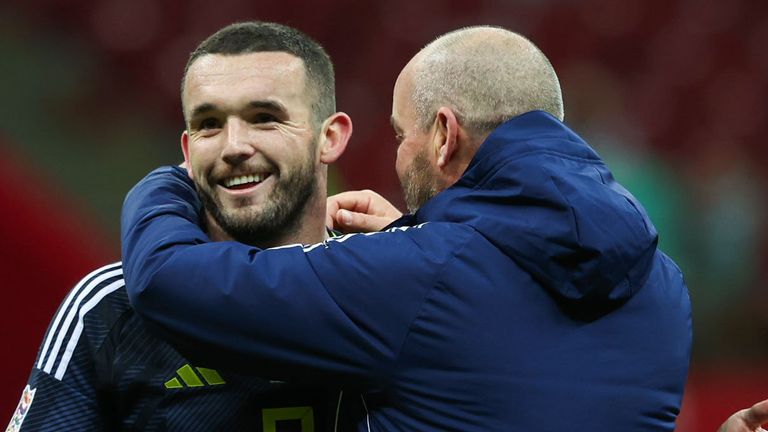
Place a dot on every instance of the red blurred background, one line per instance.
(672, 93)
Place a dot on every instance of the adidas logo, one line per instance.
(191, 377)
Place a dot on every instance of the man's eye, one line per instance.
(209, 123)
(264, 118)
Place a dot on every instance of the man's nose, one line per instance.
(238, 146)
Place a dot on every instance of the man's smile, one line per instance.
(244, 181)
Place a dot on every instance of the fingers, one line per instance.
(329, 220)
(357, 211)
(757, 415)
(364, 201)
(353, 201)
(747, 420)
(348, 221)
(735, 423)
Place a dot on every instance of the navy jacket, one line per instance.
(529, 296)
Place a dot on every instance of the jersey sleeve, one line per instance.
(334, 307)
(61, 393)
(49, 404)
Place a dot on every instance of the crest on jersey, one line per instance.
(25, 403)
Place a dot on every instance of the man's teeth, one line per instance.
(235, 181)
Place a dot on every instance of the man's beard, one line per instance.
(418, 182)
(281, 213)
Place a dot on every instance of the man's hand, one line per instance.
(747, 420)
(360, 211)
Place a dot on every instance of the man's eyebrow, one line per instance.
(202, 109)
(271, 105)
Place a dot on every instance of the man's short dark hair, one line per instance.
(256, 36)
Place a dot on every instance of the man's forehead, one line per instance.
(280, 64)
(273, 73)
(401, 100)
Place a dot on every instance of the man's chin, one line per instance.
(244, 219)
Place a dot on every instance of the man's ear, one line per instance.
(445, 138)
(334, 136)
(185, 151)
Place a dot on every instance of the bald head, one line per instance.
(486, 75)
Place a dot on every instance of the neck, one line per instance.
(310, 228)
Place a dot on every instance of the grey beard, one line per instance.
(419, 183)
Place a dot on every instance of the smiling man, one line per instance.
(526, 292)
(262, 126)
(254, 147)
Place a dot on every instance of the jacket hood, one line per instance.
(544, 198)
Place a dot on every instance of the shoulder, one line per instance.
(400, 258)
(100, 295)
(439, 237)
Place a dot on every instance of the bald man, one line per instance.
(524, 292)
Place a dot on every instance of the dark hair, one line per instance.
(256, 36)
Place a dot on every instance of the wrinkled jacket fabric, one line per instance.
(531, 295)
